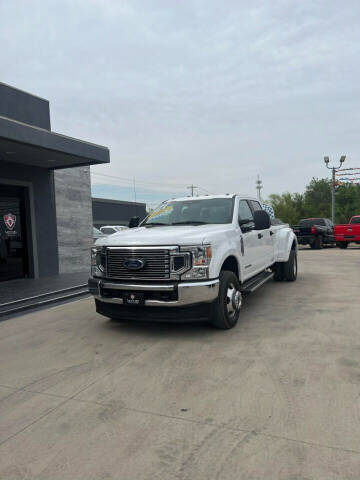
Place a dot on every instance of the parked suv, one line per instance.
(193, 258)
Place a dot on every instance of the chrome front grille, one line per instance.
(157, 263)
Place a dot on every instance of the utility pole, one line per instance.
(192, 189)
(135, 196)
(333, 183)
(259, 186)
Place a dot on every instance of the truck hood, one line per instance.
(172, 235)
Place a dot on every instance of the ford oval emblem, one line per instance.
(134, 263)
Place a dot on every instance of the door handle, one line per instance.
(271, 232)
(260, 235)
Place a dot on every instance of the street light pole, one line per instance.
(333, 169)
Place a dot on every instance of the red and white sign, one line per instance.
(10, 220)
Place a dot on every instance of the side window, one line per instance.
(255, 205)
(246, 219)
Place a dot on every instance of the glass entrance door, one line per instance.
(13, 245)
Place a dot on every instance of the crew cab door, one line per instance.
(265, 244)
(248, 240)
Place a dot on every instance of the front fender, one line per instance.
(223, 249)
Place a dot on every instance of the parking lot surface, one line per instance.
(277, 397)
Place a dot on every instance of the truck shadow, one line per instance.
(154, 329)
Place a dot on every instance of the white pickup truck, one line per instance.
(193, 258)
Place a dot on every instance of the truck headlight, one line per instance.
(98, 262)
(201, 257)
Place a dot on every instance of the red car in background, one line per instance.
(345, 234)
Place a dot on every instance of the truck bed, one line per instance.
(349, 232)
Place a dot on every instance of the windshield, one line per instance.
(192, 212)
(309, 222)
(355, 220)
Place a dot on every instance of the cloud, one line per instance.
(202, 92)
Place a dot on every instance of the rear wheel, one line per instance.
(226, 308)
(318, 242)
(291, 267)
(343, 244)
(312, 245)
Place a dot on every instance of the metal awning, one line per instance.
(28, 145)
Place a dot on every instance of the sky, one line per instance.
(210, 93)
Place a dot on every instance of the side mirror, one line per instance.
(246, 225)
(261, 220)
(134, 222)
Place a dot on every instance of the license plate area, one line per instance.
(133, 298)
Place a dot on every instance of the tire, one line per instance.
(226, 308)
(278, 272)
(318, 243)
(312, 245)
(342, 244)
(291, 267)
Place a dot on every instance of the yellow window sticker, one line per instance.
(167, 209)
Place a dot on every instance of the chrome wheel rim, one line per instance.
(233, 300)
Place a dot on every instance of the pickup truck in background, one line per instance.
(191, 259)
(347, 233)
(315, 232)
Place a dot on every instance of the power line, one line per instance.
(207, 191)
(131, 182)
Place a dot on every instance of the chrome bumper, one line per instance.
(189, 293)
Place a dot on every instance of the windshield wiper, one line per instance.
(156, 224)
(190, 222)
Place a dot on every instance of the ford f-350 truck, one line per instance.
(193, 258)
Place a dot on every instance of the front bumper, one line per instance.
(175, 294)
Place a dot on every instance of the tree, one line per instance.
(316, 202)
(347, 202)
(286, 207)
(317, 198)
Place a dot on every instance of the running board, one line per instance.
(254, 283)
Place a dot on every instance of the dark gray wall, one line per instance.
(115, 212)
(24, 107)
(45, 214)
(74, 219)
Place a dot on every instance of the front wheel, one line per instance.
(226, 308)
(342, 244)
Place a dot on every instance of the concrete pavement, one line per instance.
(278, 397)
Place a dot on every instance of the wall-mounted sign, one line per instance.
(10, 221)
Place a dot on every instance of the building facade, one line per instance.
(45, 197)
(115, 212)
